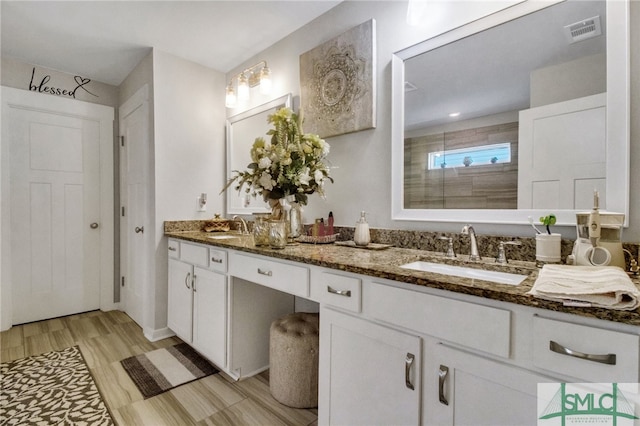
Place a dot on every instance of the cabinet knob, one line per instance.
(345, 293)
(443, 372)
(139, 229)
(265, 272)
(408, 363)
(603, 359)
(94, 225)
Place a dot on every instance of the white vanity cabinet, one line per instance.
(391, 352)
(477, 361)
(198, 298)
(462, 388)
(180, 315)
(210, 314)
(369, 374)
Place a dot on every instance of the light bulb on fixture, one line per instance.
(243, 88)
(258, 74)
(230, 99)
(265, 80)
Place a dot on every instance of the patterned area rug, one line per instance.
(158, 371)
(50, 389)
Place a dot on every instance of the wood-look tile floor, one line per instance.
(105, 338)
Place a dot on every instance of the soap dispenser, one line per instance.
(361, 235)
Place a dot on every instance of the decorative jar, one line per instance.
(277, 234)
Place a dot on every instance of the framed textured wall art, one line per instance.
(338, 83)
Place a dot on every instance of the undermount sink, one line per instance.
(465, 272)
(223, 236)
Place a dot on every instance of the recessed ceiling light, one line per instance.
(454, 114)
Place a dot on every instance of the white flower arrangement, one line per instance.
(292, 163)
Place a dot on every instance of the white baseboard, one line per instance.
(154, 335)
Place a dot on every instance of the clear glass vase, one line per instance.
(295, 221)
(277, 234)
(261, 229)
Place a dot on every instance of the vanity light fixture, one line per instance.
(243, 88)
(454, 114)
(258, 74)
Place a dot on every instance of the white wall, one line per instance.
(18, 74)
(363, 173)
(189, 151)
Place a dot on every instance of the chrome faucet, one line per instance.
(502, 256)
(473, 254)
(245, 229)
(449, 254)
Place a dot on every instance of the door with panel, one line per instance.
(56, 219)
(180, 310)
(210, 315)
(369, 373)
(461, 388)
(134, 145)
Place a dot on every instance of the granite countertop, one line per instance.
(386, 264)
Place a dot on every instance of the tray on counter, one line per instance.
(370, 246)
(325, 239)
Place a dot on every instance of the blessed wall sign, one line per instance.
(42, 85)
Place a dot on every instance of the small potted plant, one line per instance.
(548, 245)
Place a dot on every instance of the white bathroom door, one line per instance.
(55, 207)
(135, 229)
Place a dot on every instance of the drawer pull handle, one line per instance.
(408, 363)
(186, 280)
(603, 359)
(214, 260)
(172, 249)
(345, 293)
(442, 378)
(265, 272)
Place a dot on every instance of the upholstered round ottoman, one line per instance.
(293, 353)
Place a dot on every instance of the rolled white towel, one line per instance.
(597, 286)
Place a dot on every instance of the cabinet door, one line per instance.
(180, 299)
(209, 315)
(369, 374)
(465, 389)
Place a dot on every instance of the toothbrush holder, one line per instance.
(548, 248)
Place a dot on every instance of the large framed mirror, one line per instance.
(242, 131)
(539, 116)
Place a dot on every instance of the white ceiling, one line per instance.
(105, 40)
(489, 72)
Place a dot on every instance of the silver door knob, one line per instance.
(94, 225)
(139, 229)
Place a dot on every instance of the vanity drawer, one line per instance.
(337, 290)
(586, 353)
(173, 246)
(195, 254)
(217, 260)
(281, 276)
(475, 326)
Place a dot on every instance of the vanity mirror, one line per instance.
(242, 131)
(488, 147)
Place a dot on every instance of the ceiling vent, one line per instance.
(583, 30)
